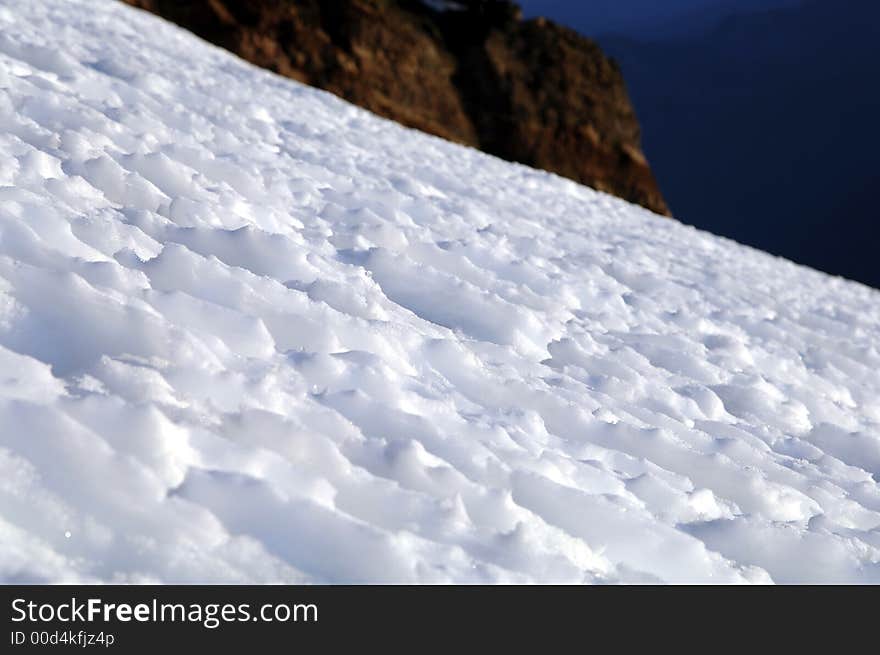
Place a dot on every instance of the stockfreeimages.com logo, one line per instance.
(209, 615)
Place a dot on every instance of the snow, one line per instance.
(250, 333)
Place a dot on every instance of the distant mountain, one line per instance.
(644, 19)
(765, 129)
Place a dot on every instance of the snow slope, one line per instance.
(249, 332)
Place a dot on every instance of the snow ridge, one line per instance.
(251, 333)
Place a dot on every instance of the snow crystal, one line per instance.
(250, 333)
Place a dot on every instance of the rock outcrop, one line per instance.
(469, 71)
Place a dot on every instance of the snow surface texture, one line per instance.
(251, 333)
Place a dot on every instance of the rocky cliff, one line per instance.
(470, 71)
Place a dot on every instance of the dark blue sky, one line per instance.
(640, 17)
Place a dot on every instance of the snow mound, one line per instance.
(250, 333)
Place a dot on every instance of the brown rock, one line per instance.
(527, 91)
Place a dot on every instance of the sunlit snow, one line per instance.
(251, 333)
